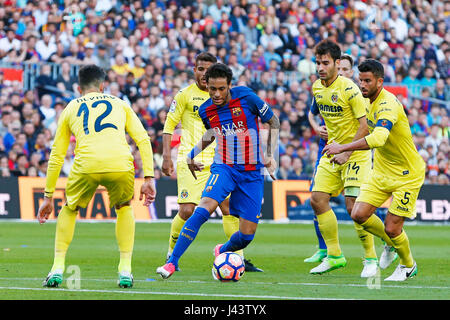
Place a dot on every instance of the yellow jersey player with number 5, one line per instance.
(102, 157)
(398, 171)
(184, 109)
(343, 109)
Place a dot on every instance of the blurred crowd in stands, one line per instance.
(148, 49)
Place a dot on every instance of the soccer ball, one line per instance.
(228, 266)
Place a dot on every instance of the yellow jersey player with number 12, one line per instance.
(343, 109)
(184, 109)
(102, 157)
(398, 171)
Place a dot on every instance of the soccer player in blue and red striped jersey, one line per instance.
(231, 119)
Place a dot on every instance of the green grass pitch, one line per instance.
(26, 255)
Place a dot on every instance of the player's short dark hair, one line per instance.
(91, 76)
(372, 65)
(348, 58)
(219, 70)
(327, 46)
(205, 56)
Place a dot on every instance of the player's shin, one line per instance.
(175, 228)
(188, 233)
(237, 242)
(367, 241)
(65, 227)
(401, 244)
(125, 230)
(375, 226)
(230, 227)
(329, 228)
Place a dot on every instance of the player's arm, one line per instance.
(55, 163)
(173, 118)
(140, 136)
(358, 105)
(378, 137)
(321, 130)
(264, 111)
(207, 138)
(272, 143)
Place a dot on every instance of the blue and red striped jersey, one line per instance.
(236, 128)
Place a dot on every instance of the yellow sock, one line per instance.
(125, 228)
(367, 242)
(231, 226)
(329, 228)
(375, 226)
(401, 244)
(175, 229)
(65, 227)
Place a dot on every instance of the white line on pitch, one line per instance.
(259, 283)
(233, 296)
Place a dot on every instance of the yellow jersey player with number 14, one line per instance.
(184, 109)
(343, 109)
(102, 157)
(398, 171)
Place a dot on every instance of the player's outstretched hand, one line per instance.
(167, 167)
(148, 191)
(271, 166)
(45, 210)
(194, 166)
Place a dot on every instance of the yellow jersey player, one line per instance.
(343, 109)
(184, 109)
(398, 171)
(99, 122)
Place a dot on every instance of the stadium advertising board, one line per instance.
(291, 200)
(9, 198)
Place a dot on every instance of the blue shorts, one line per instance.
(246, 188)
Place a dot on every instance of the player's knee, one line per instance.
(392, 230)
(186, 211)
(317, 202)
(357, 216)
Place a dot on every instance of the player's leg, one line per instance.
(321, 253)
(354, 174)
(230, 227)
(120, 186)
(245, 202)
(240, 239)
(230, 222)
(185, 211)
(188, 234)
(218, 187)
(403, 206)
(329, 228)
(370, 261)
(189, 195)
(79, 191)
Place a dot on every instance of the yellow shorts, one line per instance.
(81, 187)
(333, 178)
(189, 189)
(404, 192)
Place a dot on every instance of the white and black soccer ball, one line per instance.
(228, 266)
